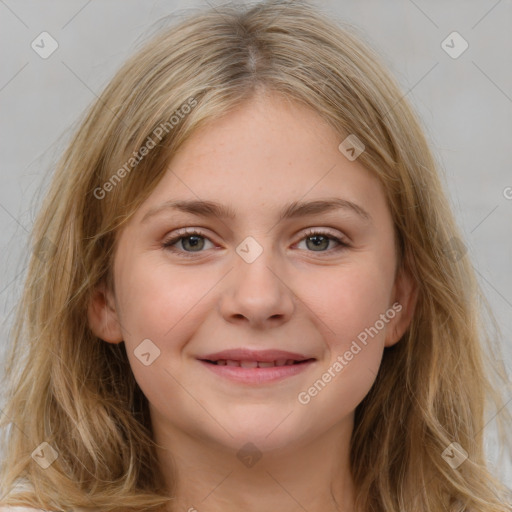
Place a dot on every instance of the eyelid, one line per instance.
(325, 231)
(184, 233)
(340, 239)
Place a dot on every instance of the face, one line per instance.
(303, 301)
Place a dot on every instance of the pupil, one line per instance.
(318, 239)
(195, 240)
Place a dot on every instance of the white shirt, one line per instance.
(25, 509)
(19, 509)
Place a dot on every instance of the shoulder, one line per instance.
(20, 509)
(12, 508)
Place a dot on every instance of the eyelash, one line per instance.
(342, 245)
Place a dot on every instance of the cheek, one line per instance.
(354, 298)
(357, 298)
(152, 298)
(165, 304)
(160, 305)
(354, 334)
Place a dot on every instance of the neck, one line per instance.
(209, 477)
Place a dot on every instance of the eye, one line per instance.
(193, 241)
(320, 240)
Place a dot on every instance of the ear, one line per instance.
(102, 315)
(405, 293)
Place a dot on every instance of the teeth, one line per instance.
(249, 364)
(255, 364)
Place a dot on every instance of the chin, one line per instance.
(266, 435)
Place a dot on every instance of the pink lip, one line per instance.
(256, 375)
(245, 354)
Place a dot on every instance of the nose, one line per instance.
(257, 293)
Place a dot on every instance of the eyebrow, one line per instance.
(292, 210)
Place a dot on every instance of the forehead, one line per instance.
(266, 153)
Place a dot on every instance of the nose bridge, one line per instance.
(250, 249)
(256, 289)
(255, 265)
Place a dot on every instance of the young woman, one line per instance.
(244, 294)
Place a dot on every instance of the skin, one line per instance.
(294, 296)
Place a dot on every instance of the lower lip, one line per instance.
(257, 375)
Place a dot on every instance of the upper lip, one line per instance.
(242, 354)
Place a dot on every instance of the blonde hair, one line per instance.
(77, 393)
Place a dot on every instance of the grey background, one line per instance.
(465, 105)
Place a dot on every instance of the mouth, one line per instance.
(256, 367)
(256, 364)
